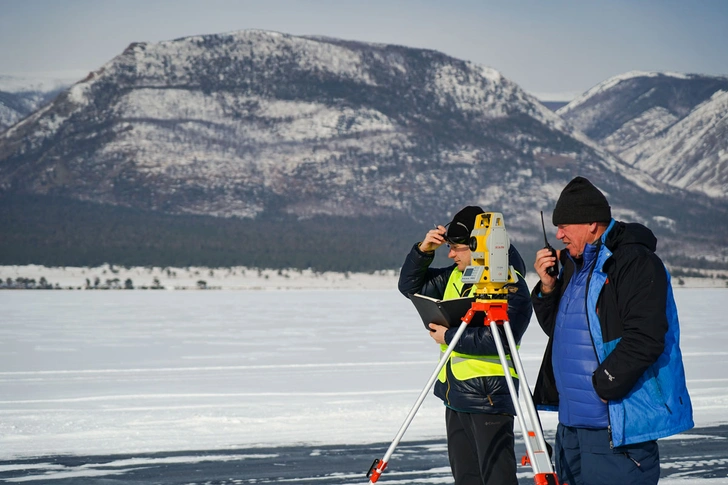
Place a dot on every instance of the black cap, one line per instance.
(459, 229)
(581, 203)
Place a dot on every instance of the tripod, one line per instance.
(496, 314)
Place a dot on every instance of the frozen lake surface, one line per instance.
(102, 373)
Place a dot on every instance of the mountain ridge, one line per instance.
(22, 95)
(672, 126)
(256, 125)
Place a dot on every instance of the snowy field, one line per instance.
(241, 278)
(235, 278)
(110, 372)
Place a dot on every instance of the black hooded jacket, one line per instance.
(488, 395)
(634, 273)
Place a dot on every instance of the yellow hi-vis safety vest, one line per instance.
(465, 366)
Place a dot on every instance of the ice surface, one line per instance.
(106, 372)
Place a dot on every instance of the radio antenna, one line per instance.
(551, 270)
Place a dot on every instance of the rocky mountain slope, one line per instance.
(672, 126)
(20, 96)
(257, 124)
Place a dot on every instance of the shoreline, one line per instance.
(111, 277)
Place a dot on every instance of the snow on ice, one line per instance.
(108, 372)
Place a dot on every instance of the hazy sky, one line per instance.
(546, 46)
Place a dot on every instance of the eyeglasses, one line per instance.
(457, 233)
(458, 247)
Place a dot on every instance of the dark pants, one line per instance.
(480, 448)
(583, 457)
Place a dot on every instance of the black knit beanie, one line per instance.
(581, 203)
(459, 229)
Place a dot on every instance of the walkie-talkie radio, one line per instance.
(551, 270)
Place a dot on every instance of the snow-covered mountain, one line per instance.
(233, 124)
(693, 152)
(673, 126)
(21, 95)
(252, 123)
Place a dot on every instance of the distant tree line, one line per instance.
(697, 263)
(54, 231)
(22, 283)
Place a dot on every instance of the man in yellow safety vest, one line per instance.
(478, 407)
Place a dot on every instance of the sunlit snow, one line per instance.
(105, 372)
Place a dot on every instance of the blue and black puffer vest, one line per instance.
(574, 357)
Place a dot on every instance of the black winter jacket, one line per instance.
(488, 395)
(633, 271)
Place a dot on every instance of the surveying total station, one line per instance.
(490, 273)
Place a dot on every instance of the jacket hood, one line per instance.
(624, 233)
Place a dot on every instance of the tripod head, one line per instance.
(489, 270)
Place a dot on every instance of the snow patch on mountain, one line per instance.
(663, 124)
(39, 82)
(693, 153)
(21, 95)
(610, 83)
(647, 125)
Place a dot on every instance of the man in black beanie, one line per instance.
(612, 367)
(478, 407)
(581, 202)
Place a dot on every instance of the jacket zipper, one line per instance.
(591, 337)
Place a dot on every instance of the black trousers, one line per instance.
(480, 448)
